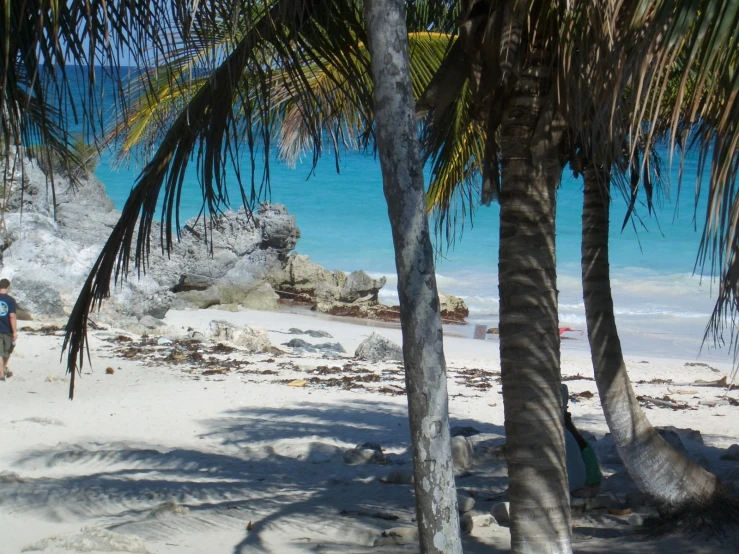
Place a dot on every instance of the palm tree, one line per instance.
(423, 347)
(673, 481)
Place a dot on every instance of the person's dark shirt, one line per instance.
(7, 307)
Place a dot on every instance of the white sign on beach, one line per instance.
(480, 331)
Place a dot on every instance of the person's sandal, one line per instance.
(8, 373)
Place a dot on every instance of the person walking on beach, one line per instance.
(8, 328)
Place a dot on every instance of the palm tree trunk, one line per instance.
(673, 482)
(420, 319)
(529, 338)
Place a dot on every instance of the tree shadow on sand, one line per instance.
(280, 469)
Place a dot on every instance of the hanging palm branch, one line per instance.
(232, 107)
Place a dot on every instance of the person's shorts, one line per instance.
(6, 346)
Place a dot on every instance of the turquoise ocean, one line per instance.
(662, 301)
(662, 305)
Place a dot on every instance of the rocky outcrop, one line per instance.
(354, 295)
(233, 261)
(48, 254)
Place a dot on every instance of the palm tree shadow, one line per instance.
(281, 469)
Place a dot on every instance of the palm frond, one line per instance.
(231, 107)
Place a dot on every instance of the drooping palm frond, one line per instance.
(59, 55)
(697, 43)
(232, 107)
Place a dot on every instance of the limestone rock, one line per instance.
(466, 523)
(377, 348)
(367, 453)
(501, 513)
(453, 309)
(732, 453)
(464, 502)
(673, 439)
(360, 286)
(462, 453)
(37, 298)
(483, 520)
(463, 431)
(251, 338)
(398, 477)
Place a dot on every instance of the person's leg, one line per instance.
(8, 373)
(6, 342)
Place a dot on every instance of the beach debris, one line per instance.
(375, 515)
(619, 511)
(715, 402)
(636, 520)
(701, 364)
(252, 339)
(109, 371)
(578, 377)
(305, 347)
(367, 453)
(563, 330)
(683, 391)
(163, 341)
(167, 508)
(249, 526)
(43, 330)
(377, 348)
(664, 402)
(479, 379)
(719, 383)
(397, 536)
(297, 383)
(732, 453)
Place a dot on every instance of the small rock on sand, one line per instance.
(500, 512)
(732, 453)
(377, 348)
(367, 453)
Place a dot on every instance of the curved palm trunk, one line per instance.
(673, 481)
(420, 319)
(529, 338)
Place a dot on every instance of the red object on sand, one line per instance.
(563, 330)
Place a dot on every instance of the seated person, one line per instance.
(583, 470)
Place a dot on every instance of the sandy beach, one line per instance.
(170, 448)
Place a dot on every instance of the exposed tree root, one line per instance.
(717, 517)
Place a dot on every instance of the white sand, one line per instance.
(159, 458)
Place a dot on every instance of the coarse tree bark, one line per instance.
(529, 337)
(423, 352)
(673, 482)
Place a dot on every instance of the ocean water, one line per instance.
(662, 306)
